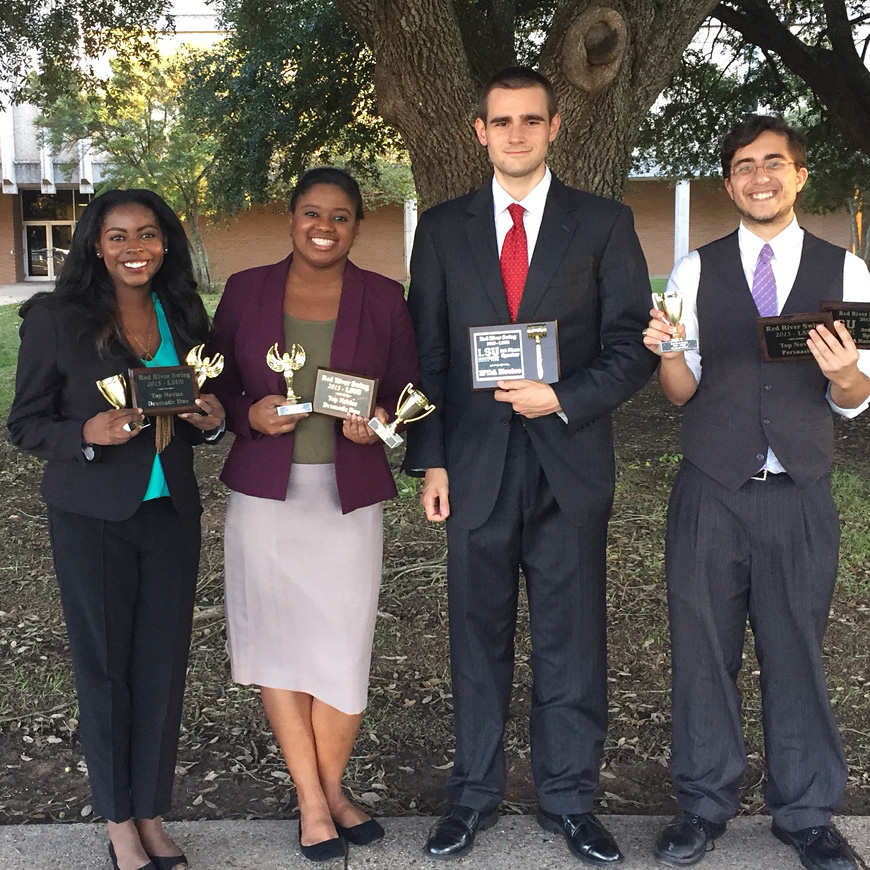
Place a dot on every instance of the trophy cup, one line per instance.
(205, 368)
(412, 405)
(671, 303)
(114, 390)
(289, 363)
(537, 331)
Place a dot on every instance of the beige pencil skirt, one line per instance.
(302, 583)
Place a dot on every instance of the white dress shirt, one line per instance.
(787, 248)
(533, 204)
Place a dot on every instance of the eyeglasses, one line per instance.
(770, 167)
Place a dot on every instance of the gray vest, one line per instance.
(743, 404)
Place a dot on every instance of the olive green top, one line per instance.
(314, 441)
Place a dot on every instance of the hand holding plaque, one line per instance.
(288, 363)
(412, 406)
(670, 303)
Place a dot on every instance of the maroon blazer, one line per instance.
(373, 338)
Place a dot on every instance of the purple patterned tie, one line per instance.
(764, 284)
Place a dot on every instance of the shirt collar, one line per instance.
(534, 201)
(785, 244)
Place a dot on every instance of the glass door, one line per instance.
(37, 251)
(47, 248)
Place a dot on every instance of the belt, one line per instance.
(772, 476)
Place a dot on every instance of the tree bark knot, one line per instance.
(594, 47)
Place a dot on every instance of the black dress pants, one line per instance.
(564, 567)
(127, 590)
(768, 551)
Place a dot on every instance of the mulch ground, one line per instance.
(229, 764)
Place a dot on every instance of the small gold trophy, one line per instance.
(209, 367)
(537, 331)
(114, 390)
(412, 405)
(290, 362)
(671, 303)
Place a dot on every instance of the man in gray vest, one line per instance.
(752, 528)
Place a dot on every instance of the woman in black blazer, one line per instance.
(123, 518)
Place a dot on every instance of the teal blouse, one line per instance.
(165, 356)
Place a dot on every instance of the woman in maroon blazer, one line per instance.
(304, 524)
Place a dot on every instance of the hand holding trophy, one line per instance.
(670, 303)
(412, 405)
(114, 390)
(288, 363)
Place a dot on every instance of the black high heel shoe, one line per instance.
(325, 850)
(169, 863)
(363, 834)
(114, 857)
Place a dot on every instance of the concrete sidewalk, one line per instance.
(11, 293)
(515, 843)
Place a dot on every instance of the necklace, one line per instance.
(145, 354)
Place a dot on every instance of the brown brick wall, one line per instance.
(11, 255)
(261, 235)
(712, 215)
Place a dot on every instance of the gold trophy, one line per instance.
(205, 368)
(671, 303)
(537, 331)
(412, 405)
(287, 364)
(114, 390)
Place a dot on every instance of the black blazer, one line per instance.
(56, 392)
(589, 273)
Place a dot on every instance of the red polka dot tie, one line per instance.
(515, 260)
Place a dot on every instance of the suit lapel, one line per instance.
(347, 324)
(480, 232)
(558, 226)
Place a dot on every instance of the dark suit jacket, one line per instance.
(373, 337)
(589, 273)
(56, 392)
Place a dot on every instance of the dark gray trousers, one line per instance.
(768, 551)
(564, 567)
(127, 590)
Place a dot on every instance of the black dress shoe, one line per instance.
(587, 838)
(452, 836)
(362, 834)
(325, 850)
(820, 848)
(686, 839)
(114, 858)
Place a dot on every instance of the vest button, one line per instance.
(768, 387)
(759, 456)
(766, 421)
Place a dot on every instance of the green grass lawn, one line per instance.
(9, 322)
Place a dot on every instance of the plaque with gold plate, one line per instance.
(338, 394)
(412, 406)
(512, 352)
(784, 339)
(855, 316)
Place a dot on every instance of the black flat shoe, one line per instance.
(363, 834)
(325, 850)
(586, 837)
(114, 857)
(820, 848)
(686, 839)
(452, 836)
(170, 863)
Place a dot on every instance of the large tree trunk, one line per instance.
(608, 62)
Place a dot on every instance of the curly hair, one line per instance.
(85, 284)
(750, 128)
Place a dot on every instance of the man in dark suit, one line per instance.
(526, 474)
(752, 528)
